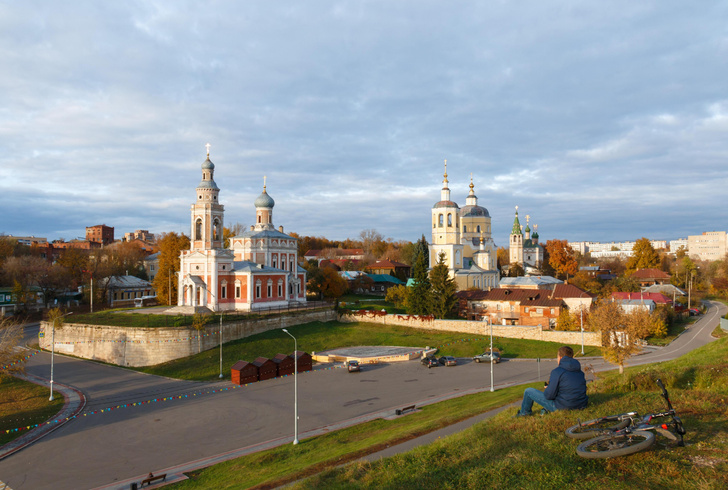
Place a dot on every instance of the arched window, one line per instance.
(198, 229)
(216, 229)
(275, 262)
(449, 219)
(440, 221)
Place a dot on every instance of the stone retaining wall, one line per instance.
(136, 347)
(479, 328)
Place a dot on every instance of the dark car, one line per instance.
(429, 362)
(353, 366)
(448, 361)
(486, 357)
(694, 312)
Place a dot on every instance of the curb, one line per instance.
(75, 401)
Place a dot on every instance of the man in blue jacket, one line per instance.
(565, 389)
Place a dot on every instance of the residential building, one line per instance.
(100, 234)
(656, 298)
(463, 236)
(258, 270)
(151, 265)
(354, 254)
(633, 305)
(142, 235)
(529, 307)
(391, 267)
(529, 282)
(676, 245)
(711, 245)
(122, 290)
(648, 277)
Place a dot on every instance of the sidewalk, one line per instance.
(74, 403)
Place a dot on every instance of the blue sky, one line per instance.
(603, 121)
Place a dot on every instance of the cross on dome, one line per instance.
(208, 149)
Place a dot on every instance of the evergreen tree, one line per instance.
(419, 299)
(443, 289)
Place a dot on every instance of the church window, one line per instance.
(275, 262)
(440, 220)
(259, 219)
(449, 219)
(280, 288)
(465, 229)
(198, 229)
(269, 288)
(291, 269)
(257, 289)
(223, 291)
(478, 229)
(216, 229)
(237, 291)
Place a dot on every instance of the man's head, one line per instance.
(565, 351)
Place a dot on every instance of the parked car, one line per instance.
(486, 357)
(353, 366)
(448, 361)
(694, 312)
(429, 362)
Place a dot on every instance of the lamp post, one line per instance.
(219, 309)
(490, 324)
(53, 349)
(295, 387)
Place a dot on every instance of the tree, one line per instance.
(443, 289)
(170, 246)
(420, 302)
(75, 261)
(567, 321)
(516, 270)
(235, 230)
(502, 257)
(199, 321)
(11, 336)
(333, 286)
(619, 340)
(561, 258)
(643, 256)
(398, 295)
(371, 241)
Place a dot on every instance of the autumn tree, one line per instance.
(11, 336)
(561, 258)
(443, 288)
(643, 256)
(619, 339)
(398, 295)
(123, 258)
(333, 286)
(502, 257)
(567, 321)
(420, 297)
(76, 262)
(170, 246)
(235, 230)
(516, 270)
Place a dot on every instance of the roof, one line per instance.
(634, 302)
(658, 298)
(571, 291)
(445, 204)
(386, 264)
(248, 266)
(474, 210)
(529, 281)
(264, 200)
(471, 295)
(526, 297)
(336, 251)
(260, 361)
(128, 282)
(384, 278)
(650, 274)
(264, 234)
(666, 289)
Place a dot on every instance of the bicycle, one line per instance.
(619, 435)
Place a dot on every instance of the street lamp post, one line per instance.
(295, 387)
(490, 324)
(53, 349)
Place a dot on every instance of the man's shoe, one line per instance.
(544, 412)
(519, 414)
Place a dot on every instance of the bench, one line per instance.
(153, 478)
(400, 411)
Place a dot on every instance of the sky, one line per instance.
(603, 121)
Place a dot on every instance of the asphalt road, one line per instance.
(103, 448)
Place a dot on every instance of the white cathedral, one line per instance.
(464, 236)
(258, 270)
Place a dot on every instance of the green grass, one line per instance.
(137, 318)
(319, 336)
(364, 302)
(23, 404)
(676, 328)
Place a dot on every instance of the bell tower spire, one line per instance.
(207, 213)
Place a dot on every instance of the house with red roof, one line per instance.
(391, 267)
(529, 307)
(657, 298)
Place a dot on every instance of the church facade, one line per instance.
(524, 248)
(259, 269)
(463, 235)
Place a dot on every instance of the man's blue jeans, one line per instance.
(531, 395)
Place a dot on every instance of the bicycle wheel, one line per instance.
(611, 446)
(593, 428)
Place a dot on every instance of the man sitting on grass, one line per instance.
(565, 389)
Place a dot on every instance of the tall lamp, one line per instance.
(295, 387)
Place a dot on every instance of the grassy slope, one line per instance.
(318, 336)
(22, 404)
(533, 453)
